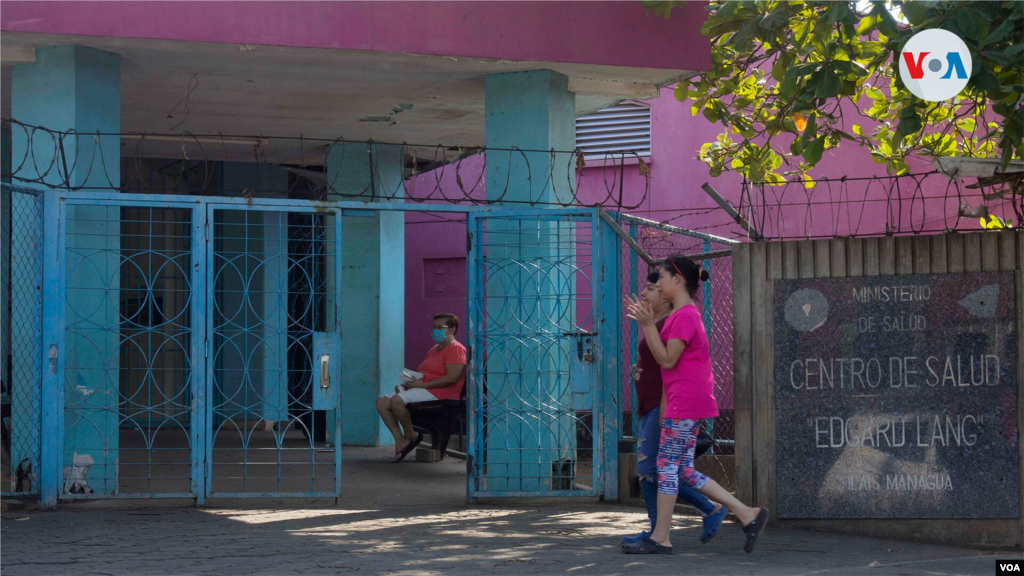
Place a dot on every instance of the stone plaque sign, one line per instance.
(896, 397)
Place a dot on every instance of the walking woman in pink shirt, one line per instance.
(683, 352)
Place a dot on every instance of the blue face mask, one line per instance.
(438, 335)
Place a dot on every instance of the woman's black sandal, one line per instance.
(405, 451)
(754, 529)
(646, 546)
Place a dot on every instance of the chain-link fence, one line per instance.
(21, 226)
(715, 302)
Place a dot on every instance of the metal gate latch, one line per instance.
(325, 370)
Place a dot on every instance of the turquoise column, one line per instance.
(531, 424)
(373, 285)
(74, 88)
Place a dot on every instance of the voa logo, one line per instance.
(935, 65)
(1008, 567)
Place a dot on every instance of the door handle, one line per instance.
(325, 370)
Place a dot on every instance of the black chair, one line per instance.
(440, 419)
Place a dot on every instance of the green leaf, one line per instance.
(849, 68)
(966, 124)
(867, 24)
(972, 23)
(987, 81)
(999, 33)
(858, 130)
(836, 12)
(801, 70)
(813, 151)
(681, 93)
(887, 24)
(781, 66)
(787, 88)
(916, 12)
(778, 18)
(910, 123)
(829, 86)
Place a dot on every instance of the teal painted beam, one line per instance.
(373, 285)
(74, 88)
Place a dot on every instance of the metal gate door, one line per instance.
(197, 342)
(275, 364)
(127, 354)
(537, 415)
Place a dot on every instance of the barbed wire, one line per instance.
(186, 163)
(916, 203)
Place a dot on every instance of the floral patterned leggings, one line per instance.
(678, 442)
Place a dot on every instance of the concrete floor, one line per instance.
(412, 518)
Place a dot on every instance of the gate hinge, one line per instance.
(469, 242)
(206, 349)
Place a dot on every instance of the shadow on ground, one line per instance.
(413, 518)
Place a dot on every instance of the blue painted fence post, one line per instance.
(52, 356)
(607, 259)
(200, 431)
(634, 331)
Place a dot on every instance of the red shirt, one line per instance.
(433, 367)
(648, 384)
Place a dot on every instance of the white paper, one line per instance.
(409, 375)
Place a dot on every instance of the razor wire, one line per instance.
(916, 203)
(187, 163)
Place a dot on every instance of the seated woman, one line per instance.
(444, 376)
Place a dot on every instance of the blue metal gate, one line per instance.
(543, 419)
(190, 347)
(196, 342)
(275, 350)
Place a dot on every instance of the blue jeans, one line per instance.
(647, 466)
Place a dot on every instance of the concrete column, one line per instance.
(530, 111)
(373, 285)
(74, 88)
(527, 292)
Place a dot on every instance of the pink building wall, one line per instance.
(675, 196)
(566, 32)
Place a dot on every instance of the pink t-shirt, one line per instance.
(689, 385)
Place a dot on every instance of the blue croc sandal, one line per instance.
(635, 538)
(712, 522)
(646, 546)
